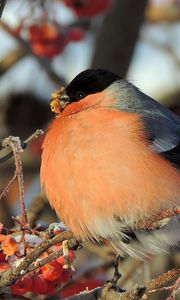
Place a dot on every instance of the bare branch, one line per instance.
(106, 293)
(24, 144)
(137, 293)
(163, 280)
(2, 5)
(152, 222)
(15, 144)
(12, 58)
(42, 262)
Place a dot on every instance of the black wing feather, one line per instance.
(173, 156)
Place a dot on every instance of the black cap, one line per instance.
(88, 82)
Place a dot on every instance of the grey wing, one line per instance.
(164, 131)
(163, 126)
(164, 134)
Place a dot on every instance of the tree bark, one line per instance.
(116, 41)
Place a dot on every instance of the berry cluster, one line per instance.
(47, 37)
(88, 8)
(44, 280)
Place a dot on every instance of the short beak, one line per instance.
(59, 100)
(64, 99)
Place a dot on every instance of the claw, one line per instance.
(113, 282)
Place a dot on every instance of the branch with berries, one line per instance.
(26, 47)
(46, 37)
(33, 258)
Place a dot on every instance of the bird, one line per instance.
(111, 159)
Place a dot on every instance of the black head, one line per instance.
(88, 82)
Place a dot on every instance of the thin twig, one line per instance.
(163, 280)
(24, 144)
(103, 293)
(11, 58)
(17, 149)
(152, 222)
(42, 262)
(15, 144)
(33, 137)
(136, 293)
(174, 288)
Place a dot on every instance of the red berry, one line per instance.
(61, 260)
(81, 286)
(47, 39)
(66, 275)
(22, 285)
(51, 288)
(43, 32)
(4, 266)
(52, 273)
(39, 285)
(76, 34)
(57, 247)
(56, 265)
(2, 257)
(88, 8)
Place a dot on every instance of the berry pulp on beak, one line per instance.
(59, 100)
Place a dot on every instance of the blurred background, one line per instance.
(44, 44)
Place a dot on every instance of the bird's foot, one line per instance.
(117, 275)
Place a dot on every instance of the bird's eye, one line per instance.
(80, 95)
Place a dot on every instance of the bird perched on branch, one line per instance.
(111, 158)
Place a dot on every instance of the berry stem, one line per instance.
(16, 147)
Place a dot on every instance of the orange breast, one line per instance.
(98, 164)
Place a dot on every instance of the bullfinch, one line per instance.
(111, 158)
